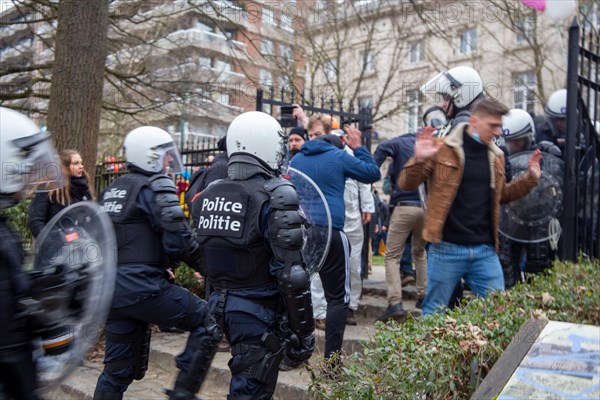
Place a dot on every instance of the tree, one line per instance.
(77, 76)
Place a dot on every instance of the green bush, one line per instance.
(447, 356)
(17, 219)
(185, 277)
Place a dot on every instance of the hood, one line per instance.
(313, 147)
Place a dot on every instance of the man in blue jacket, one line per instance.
(324, 161)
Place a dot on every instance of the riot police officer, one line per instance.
(520, 136)
(251, 233)
(24, 153)
(459, 87)
(552, 126)
(152, 236)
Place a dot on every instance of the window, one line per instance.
(524, 91)
(203, 27)
(369, 61)
(365, 102)
(417, 51)
(286, 52)
(287, 22)
(267, 15)
(205, 62)
(268, 48)
(468, 41)
(265, 78)
(415, 110)
(223, 98)
(330, 70)
(590, 13)
(229, 34)
(223, 66)
(284, 82)
(524, 29)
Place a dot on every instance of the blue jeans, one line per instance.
(448, 262)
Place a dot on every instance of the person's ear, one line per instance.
(474, 121)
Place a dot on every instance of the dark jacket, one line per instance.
(42, 209)
(400, 149)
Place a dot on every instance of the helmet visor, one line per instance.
(438, 86)
(170, 158)
(41, 168)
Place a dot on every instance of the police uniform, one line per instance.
(17, 369)
(516, 257)
(152, 235)
(250, 231)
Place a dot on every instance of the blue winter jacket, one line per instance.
(329, 167)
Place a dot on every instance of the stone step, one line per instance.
(291, 384)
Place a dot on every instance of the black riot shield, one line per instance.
(72, 284)
(317, 229)
(535, 217)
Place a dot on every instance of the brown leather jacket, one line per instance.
(443, 174)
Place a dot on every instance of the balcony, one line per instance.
(201, 39)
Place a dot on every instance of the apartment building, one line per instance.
(380, 53)
(189, 67)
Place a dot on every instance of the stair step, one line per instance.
(290, 385)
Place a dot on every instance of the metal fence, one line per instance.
(351, 114)
(581, 212)
(195, 155)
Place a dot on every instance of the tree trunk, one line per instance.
(78, 77)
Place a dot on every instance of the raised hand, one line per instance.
(426, 146)
(534, 164)
(354, 138)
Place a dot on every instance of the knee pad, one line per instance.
(260, 362)
(138, 359)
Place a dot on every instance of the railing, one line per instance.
(195, 155)
(311, 104)
(581, 212)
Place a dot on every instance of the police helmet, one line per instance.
(152, 150)
(462, 84)
(259, 135)
(28, 157)
(556, 107)
(518, 124)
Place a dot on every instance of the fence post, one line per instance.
(259, 99)
(569, 216)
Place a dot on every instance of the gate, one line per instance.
(581, 212)
(363, 118)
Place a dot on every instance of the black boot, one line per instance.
(395, 312)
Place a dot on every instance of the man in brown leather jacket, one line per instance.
(465, 185)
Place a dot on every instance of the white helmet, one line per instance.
(27, 156)
(518, 124)
(556, 107)
(153, 150)
(258, 135)
(462, 84)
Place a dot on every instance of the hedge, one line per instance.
(447, 356)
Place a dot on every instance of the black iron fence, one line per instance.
(349, 113)
(581, 212)
(195, 154)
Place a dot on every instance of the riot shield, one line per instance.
(535, 217)
(72, 284)
(317, 229)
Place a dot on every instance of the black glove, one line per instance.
(303, 349)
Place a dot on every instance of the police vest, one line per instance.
(137, 242)
(227, 218)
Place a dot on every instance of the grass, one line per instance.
(378, 260)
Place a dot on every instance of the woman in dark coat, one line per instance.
(46, 205)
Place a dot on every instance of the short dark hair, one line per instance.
(489, 107)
